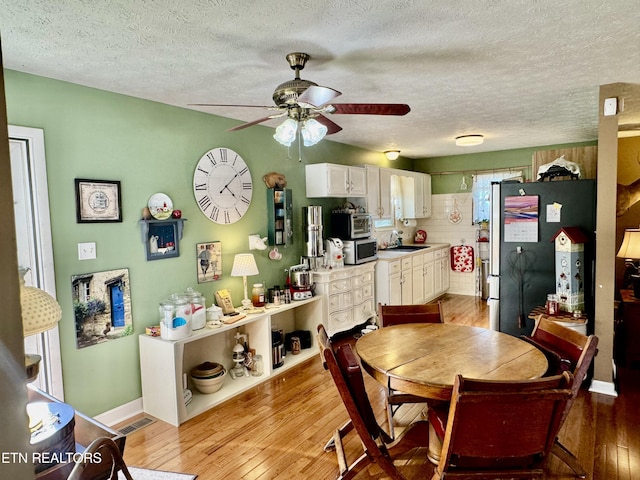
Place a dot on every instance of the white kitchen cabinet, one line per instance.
(389, 282)
(429, 276)
(379, 193)
(426, 195)
(418, 278)
(334, 180)
(347, 296)
(441, 273)
(163, 363)
(406, 282)
(416, 195)
(405, 277)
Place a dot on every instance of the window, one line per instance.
(482, 191)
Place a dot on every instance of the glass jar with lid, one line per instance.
(257, 295)
(198, 310)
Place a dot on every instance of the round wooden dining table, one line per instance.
(424, 358)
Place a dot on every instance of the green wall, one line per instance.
(469, 164)
(149, 147)
(152, 147)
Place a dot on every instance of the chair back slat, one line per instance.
(494, 426)
(401, 314)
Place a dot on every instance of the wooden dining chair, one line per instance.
(400, 314)
(502, 429)
(397, 315)
(378, 447)
(101, 460)
(566, 350)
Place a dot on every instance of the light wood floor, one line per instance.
(278, 429)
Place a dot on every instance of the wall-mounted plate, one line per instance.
(160, 206)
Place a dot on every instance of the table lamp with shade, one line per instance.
(244, 265)
(630, 251)
(40, 312)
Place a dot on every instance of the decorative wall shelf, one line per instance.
(162, 237)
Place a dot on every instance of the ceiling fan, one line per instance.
(303, 101)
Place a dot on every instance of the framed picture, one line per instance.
(102, 306)
(209, 261)
(98, 201)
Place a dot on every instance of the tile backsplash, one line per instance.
(451, 222)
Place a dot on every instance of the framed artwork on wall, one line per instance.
(102, 306)
(98, 201)
(209, 261)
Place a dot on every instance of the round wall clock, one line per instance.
(222, 186)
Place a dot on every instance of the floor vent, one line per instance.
(137, 425)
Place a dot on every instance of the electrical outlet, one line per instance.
(87, 251)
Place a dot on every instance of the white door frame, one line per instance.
(35, 250)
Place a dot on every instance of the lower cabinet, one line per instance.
(164, 364)
(413, 277)
(347, 296)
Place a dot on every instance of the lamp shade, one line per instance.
(40, 311)
(630, 247)
(286, 133)
(312, 132)
(244, 265)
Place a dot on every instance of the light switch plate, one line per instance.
(87, 251)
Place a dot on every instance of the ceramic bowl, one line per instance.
(207, 370)
(209, 385)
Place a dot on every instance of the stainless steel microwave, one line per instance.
(359, 251)
(350, 226)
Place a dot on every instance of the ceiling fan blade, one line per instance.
(227, 105)
(255, 122)
(316, 96)
(332, 127)
(369, 108)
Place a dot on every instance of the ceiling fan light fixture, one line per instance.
(469, 140)
(312, 132)
(286, 132)
(392, 154)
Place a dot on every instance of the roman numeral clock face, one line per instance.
(222, 186)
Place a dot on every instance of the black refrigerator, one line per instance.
(522, 253)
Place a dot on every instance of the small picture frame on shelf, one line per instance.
(98, 201)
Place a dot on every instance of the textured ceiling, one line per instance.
(520, 72)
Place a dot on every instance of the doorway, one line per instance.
(34, 243)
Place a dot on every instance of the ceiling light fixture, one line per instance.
(312, 132)
(469, 140)
(392, 154)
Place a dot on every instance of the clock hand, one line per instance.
(233, 194)
(229, 183)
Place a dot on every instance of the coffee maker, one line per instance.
(334, 254)
(277, 347)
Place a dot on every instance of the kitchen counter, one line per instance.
(393, 253)
(406, 276)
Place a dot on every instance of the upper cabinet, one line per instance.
(379, 193)
(334, 180)
(415, 192)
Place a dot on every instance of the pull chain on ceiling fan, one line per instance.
(305, 104)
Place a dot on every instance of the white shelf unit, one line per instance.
(164, 362)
